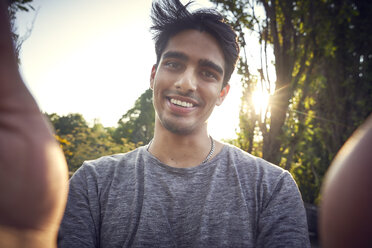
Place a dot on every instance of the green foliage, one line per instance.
(323, 91)
(68, 124)
(137, 125)
(248, 120)
(80, 142)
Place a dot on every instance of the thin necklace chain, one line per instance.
(208, 156)
(210, 152)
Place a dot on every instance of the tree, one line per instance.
(67, 124)
(323, 74)
(80, 142)
(14, 7)
(137, 125)
(93, 143)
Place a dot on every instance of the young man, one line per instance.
(185, 189)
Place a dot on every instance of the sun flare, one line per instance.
(260, 98)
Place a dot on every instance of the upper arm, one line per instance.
(282, 221)
(80, 224)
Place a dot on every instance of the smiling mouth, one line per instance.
(181, 103)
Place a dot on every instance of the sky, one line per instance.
(94, 57)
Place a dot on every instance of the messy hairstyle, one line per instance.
(170, 17)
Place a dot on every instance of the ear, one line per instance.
(223, 94)
(152, 76)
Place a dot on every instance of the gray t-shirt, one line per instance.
(134, 200)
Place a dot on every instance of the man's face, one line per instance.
(187, 81)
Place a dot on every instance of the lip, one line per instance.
(179, 109)
(193, 101)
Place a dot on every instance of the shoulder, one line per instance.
(258, 174)
(104, 168)
(115, 160)
(250, 163)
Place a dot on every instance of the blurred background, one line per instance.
(303, 83)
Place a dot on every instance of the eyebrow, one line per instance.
(202, 62)
(208, 63)
(175, 55)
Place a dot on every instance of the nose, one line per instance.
(186, 82)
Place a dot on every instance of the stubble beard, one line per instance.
(176, 129)
(173, 126)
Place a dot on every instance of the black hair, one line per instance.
(171, 17)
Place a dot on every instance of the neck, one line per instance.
(181, 150)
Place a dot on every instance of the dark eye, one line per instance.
(208, 74)
(172, 65)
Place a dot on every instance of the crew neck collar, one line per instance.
(193, 169)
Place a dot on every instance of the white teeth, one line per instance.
(181, 103)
